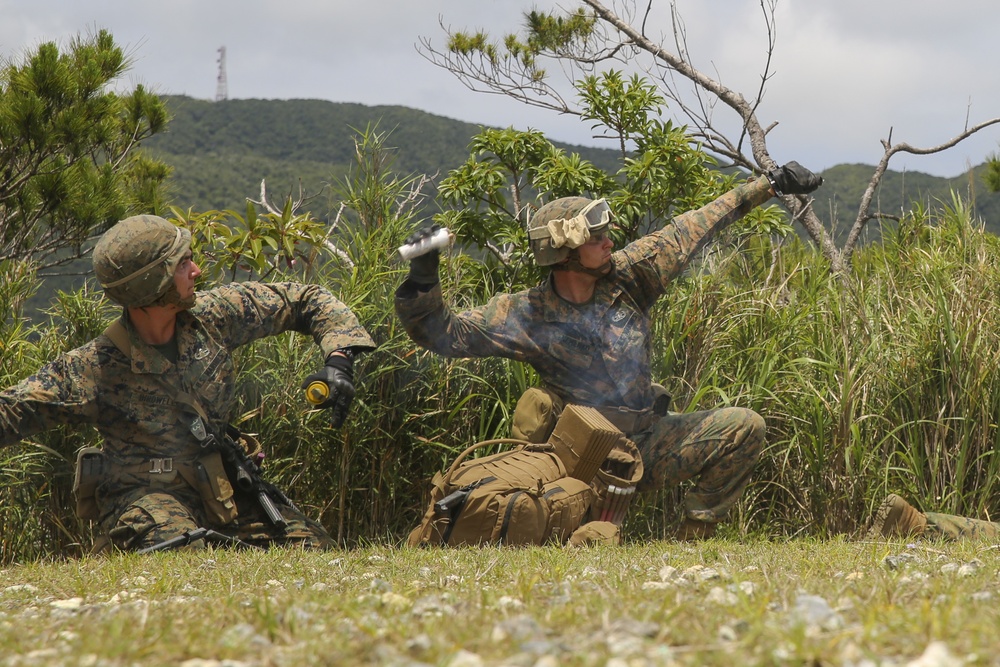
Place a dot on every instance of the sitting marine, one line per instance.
(159, 386)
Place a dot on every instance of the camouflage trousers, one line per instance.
(720, 447)
(949, 526)
(144, 517)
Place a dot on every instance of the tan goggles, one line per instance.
(597, 213)
(574, 232)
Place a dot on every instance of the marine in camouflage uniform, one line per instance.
(597, 352)
(130, 390)
(897, 518)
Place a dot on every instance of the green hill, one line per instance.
(220, 151)
(844, 186)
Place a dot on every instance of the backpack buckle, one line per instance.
(158, 466)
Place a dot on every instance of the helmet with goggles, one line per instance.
(565, 224)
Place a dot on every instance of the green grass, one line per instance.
(721, 602)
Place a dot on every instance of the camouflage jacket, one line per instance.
(596, 353)
(131, 400)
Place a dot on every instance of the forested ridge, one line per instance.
(220, 151)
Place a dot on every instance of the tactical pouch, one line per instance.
(208, 477)
(582, 438)
(88, 475)
(535, 415)
(595, 532)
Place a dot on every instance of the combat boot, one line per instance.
(897, 518)
(692, 530)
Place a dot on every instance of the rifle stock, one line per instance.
(246, 473)
(190, 536)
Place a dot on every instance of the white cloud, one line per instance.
(846, 71)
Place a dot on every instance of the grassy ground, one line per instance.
(719, 602)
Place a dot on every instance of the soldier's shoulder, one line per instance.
(218, 299)
(79, 362)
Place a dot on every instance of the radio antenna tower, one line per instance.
(222, 88)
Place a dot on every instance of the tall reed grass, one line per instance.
(884, 380)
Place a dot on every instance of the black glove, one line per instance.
(338, 376)
(793, 179)
(424, 269)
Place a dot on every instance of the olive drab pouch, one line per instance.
(521, 496)
(90, 470)
(208, 477)
(535, 414)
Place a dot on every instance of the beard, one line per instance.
(173, 298)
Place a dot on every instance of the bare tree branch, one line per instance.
(864, 209)
(330, 245)
(621, 35)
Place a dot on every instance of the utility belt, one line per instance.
(538, 409)
(206, 475)
(629, 421)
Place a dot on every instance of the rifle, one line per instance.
(190, 536)
(247, 476)
(244, 469)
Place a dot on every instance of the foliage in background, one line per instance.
(230, 247)
(69, 164)
(888, 384)
(219, 152)
(594, 36)
(884, 383)
(992, 173)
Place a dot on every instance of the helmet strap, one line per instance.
(173, 298)
(572, 263)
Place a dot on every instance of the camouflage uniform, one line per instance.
(949, 526)
(598, 353)
(131, 401)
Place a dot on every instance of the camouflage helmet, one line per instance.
(564, 224)
(136, 259)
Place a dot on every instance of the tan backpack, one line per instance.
(531, 494)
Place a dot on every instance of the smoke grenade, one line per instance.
(436, 241)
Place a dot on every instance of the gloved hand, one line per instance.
(793, 179)
(333, 388)
(424, 268)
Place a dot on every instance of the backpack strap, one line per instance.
(119, 336)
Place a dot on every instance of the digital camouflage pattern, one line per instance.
(720, 447)
(151, 515)
(949, 526)
(599, 353)
(131, 401)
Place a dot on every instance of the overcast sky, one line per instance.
(845, 71)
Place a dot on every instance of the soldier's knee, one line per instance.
(752, 430)
(757, 426)
(149, 520)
